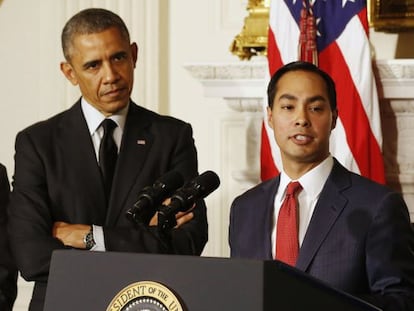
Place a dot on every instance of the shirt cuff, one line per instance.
(98, 236)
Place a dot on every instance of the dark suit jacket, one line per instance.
(57, 178)
(359, 238)
(8, 270)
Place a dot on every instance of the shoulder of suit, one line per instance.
(268, 187)
(153, 116)
(358, 181)
(47, 125)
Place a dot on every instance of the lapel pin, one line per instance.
(140, 142)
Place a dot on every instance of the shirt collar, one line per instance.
(313, 181)
(94, 117)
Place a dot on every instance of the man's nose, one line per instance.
(110, 74)
(302, 118)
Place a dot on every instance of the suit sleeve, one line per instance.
(8, 271)
(30, 218)
(390, 257)
(190, 238)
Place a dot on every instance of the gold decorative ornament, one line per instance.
(391, 15)
(252, 40)
(145, 295)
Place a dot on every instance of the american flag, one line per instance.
(340, 30)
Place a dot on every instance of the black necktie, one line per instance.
(108, 153)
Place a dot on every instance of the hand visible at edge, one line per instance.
(70, 234)
(180, 217)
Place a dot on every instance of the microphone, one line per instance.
(185, 197)
(151, 197)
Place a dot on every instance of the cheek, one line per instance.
(324, 129)
(280, 123)
(280, 127)
(90, 85)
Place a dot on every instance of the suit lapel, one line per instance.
(270, 189)
(329, 206)
(136, 143)
(78, 154)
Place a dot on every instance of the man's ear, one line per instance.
(269, 117)
(134, 51)
(334, 118)
(69, 73)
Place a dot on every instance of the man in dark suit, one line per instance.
(8, 270)
(59, 200)
(352, 233)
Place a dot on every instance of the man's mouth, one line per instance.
(114, 92)
(300, 138)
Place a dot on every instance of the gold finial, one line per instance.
(253, 38)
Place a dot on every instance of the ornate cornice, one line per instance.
(397, 78)
(247, 79)
(228, 71)
(396, 69)
(231, 80)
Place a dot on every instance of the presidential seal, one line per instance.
(145, 296)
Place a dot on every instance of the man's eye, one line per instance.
(92, 66)
(316, 108)
(120, 57)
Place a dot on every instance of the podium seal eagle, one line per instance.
(145, 296)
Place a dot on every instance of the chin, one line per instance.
(116, 106)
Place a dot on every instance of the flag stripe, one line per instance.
(268, 167)
(355, 35)
(284, 33)
(275, 60)
(340, 149)
(362, 143)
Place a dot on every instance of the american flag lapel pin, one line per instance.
(141, 142)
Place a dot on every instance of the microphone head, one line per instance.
(198, 188)
(185, 197)
(152, 196)
(169, 182)
(206, 183)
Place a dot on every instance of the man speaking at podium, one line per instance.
(79, 172)
(337, 226)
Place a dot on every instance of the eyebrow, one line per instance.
(317, 98)
(308, 100)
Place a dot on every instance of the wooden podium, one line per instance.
(82, 280)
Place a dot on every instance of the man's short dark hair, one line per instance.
(90, 21)
(301, 66)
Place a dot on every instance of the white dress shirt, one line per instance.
(312, 183)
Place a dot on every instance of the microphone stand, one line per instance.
(161, 232)
(166, 222)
